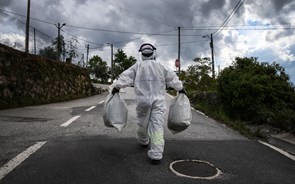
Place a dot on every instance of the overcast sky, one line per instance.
(259, 28)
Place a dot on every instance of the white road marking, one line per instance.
(101, 102)
(198, 111)
(7, 168)
(279, 150)
(70, 121)
(90, 108)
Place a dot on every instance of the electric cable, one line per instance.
(155, 34)
(114, 31)
(234, 11)
(250, 29)
(182, 43)
(26, 16)
(81, 38)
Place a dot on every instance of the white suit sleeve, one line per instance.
(127, 77)
(172, 80)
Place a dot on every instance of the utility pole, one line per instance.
(218, 69)
(58, 39)
(87, 47)
(179, 51)
(112, 63)
(212, 55)
(35, 41)
(28, 27)
(83, 63)
(63, 51)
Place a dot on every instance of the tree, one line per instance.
(99, 69)
(59, 48)
(197, 76)
(66, 48)
(122, 62)
(72, 48)
(48, 52)
(258, 92)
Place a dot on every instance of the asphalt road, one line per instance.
(35, 148)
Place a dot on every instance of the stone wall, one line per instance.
(27, 79)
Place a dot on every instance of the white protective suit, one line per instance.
(149, 78)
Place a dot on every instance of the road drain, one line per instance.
(195, 169)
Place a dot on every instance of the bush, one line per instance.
(259, 93)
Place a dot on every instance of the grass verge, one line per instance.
(216, 112)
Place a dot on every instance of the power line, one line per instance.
(129, 32)
(188, 42)
(26, 16)
(250, 29)
(22, 22)
(114, 31)
(234, 11)
(94, 29)
(155, 34)
(87, 28)
(117, 42)
(238, 27)
(81, 38)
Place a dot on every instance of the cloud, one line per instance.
(279, 5)
(290, 69)
(164, 16)
(4, 4)
(13, 40)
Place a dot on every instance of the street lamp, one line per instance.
(58, 38)
(212, 53)
(112, 64)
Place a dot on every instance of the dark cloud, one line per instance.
(151, 16)
(5, 3)
(48, 3)
(210, 6)
(177, 13)
(279, 5)
(271, 37)
(81, 2)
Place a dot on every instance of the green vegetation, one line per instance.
(122, 62)
(103, 73)
(258, 93)
(66, 49)
(245, 93)
(197, 78)
(99, 68)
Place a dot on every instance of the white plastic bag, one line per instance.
(115, 111)
(180, 115)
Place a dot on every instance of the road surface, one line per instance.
(68, 143)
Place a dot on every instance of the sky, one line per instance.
(240, 28)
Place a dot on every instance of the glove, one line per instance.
(182, 91)
(115, 90)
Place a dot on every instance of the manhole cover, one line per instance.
(196, 169)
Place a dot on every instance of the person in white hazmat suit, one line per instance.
(150, 78)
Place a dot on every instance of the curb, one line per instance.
(284, 141)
